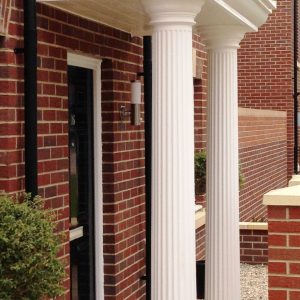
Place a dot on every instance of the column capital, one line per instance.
(222, 36)
(172, 11)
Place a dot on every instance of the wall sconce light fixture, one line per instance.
(135, 112)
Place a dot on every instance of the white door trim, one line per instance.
(95, 65)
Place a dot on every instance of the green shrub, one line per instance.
(29, 267)
(200, 173)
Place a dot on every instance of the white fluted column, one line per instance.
(222, 223)
(173, 216)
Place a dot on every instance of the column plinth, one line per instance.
(173, 215)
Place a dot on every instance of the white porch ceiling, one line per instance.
(129, 15)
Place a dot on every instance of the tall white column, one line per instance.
(173, 215)
(222, 223)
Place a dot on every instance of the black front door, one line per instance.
(81, 183)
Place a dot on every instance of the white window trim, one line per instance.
(94, 64)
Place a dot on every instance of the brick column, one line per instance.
(284, 243)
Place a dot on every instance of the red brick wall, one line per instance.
(265, 69)
(200, 94)
(123, 154)
(254, 246)
(200, 99)
(200, 112)
(284, 253)
(263, 155)
(11, 103)
(262, 150)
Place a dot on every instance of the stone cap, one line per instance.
(200, 219)
(289, 196)
(254, 225)
(295, 180)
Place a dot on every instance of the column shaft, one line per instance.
(222, 225)
(173, 216)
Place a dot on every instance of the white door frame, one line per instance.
(95, 65)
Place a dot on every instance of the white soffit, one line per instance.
(126, 15)
(218, 12)
(255, 11)
(129, 15)
(247, 13)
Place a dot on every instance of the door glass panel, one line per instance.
(73, 148)
(81, 182)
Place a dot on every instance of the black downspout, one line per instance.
(30, 96)
(148, 154)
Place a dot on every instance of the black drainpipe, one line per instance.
(30, 96)
(148, 154)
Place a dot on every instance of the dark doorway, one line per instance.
(81, 183)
